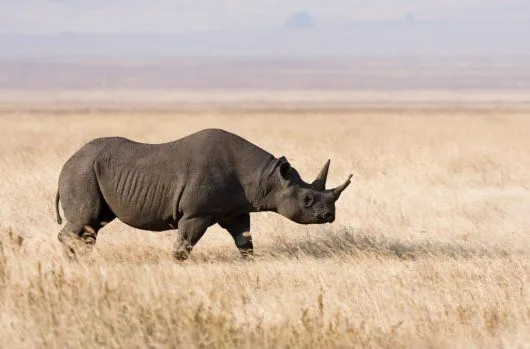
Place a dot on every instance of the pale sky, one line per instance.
(177, 16)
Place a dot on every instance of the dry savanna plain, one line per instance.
(429, 248)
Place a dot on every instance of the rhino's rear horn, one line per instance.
(337, 191)
(320, 182)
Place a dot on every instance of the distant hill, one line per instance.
(300, 20)
(256, 73)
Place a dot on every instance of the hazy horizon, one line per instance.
(256, 44)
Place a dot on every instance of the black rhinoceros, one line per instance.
(212, 176)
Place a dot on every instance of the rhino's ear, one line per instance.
(285, 170)
(282, 167)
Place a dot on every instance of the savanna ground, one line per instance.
(429, 249)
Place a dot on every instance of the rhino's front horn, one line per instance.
(320, 182)
(337, 191)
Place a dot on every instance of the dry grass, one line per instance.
(430, 246)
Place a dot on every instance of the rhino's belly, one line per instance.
(144, 215)
(148, 223)
(138, 197)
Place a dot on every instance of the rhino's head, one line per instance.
(302, 202)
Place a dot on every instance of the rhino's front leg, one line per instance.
(239, 228)
(189, 232)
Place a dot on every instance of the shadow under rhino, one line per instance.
(343, 244)
(351, 243)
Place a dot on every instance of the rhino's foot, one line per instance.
(247, 254)
(74, 245)
(245, 246)
(89, 239)
(180, 256)
(69, 243)
(182, 252)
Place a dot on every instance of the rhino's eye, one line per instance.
(308, 200)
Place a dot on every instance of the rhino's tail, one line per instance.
(57, 214)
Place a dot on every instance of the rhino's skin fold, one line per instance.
(212, 176)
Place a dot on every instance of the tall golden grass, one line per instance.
(429, 249)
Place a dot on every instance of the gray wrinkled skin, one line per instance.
(208, 177)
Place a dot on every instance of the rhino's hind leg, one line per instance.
(239, 228)
(84, 208)
(190, 231)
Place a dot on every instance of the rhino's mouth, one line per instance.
(329, 220)
(326, 217)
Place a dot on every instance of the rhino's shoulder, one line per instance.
(213, 133)
(109, 141)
